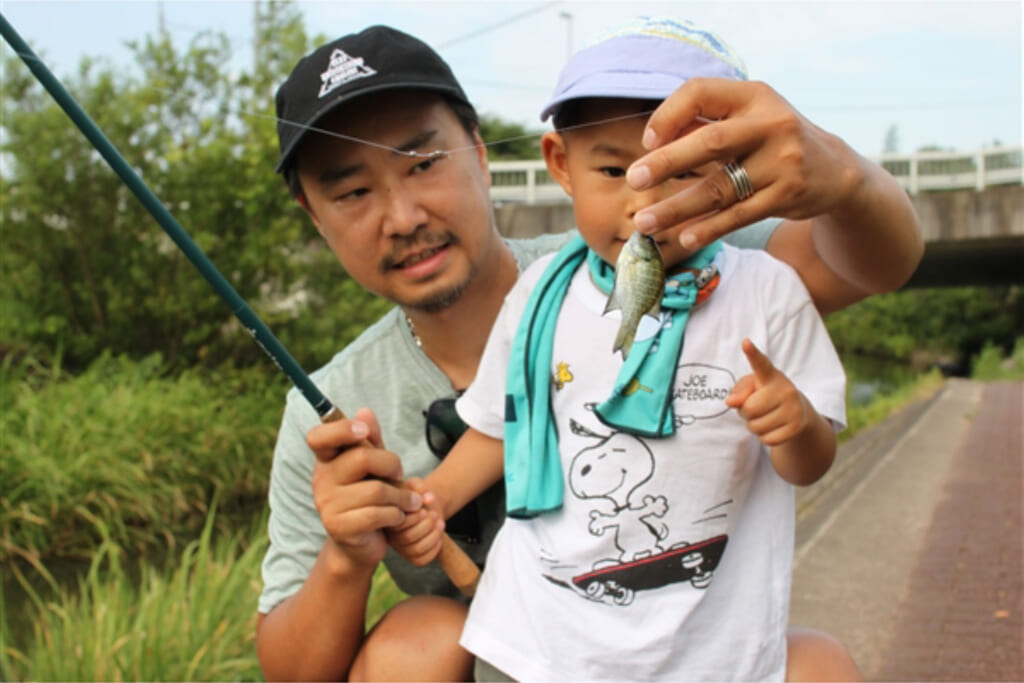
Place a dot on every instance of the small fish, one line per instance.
(639, 286)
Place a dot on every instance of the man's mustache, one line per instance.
(403, 247)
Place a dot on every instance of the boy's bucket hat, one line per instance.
(648, 58)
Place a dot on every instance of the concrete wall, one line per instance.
(945, 216)
(530, 220)
(968, 214)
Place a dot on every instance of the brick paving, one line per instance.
(960, 615)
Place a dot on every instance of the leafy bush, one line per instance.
(957, 320)
(860, 417)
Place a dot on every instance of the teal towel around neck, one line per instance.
(641, 401)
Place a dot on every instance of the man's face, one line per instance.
(411, 229)
(590, 163)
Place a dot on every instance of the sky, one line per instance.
(946, 74)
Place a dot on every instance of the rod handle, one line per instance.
(460, 568)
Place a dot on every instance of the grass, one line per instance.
(124, 445)
(123, 459)
(991, 365)
(191, 622)
(384, 594)
(859, 417)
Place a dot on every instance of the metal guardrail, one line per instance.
(978, 169)
(528, 182)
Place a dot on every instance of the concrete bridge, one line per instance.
(970, 204)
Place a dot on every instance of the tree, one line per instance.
(508, 141)
(85, 268)
(950, 320)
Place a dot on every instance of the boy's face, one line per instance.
(590, 163)
(414, 230)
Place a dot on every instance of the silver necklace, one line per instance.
(412, 331)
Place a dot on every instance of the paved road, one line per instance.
(910, 550)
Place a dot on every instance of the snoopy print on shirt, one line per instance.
(615, 474)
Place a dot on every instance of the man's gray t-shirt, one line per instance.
(385, 370)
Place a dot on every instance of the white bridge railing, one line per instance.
(528, 182)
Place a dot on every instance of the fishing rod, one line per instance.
(462, 571)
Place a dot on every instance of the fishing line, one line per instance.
(411, 153)
(394, 150)
(260, 332)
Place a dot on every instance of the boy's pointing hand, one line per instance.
(772, 407)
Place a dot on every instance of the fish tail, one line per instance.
(624, 340)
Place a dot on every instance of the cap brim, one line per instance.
(293, 146)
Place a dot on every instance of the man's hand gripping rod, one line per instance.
(457, 565)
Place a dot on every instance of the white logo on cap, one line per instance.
(343, 69)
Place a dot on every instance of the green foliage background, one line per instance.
(85, 269)
(951, 323)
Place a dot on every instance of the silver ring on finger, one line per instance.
(739, 179)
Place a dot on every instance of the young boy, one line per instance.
(650, 500)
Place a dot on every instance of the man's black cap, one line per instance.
(377, 59)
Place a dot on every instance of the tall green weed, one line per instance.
(125, 451)
(193, 621)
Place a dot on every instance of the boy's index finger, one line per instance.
(759, 363)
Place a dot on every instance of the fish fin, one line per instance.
(613, 303)
(655, 310)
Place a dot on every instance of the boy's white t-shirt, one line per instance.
(670, 558)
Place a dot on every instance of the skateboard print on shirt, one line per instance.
(615, 469)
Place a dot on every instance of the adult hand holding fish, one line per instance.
(781, 417)
(837, 203)
(796, 170)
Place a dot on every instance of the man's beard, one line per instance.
(439, 301)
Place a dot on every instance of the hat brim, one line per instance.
(621, 84)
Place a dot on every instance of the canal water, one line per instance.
(868, 378)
